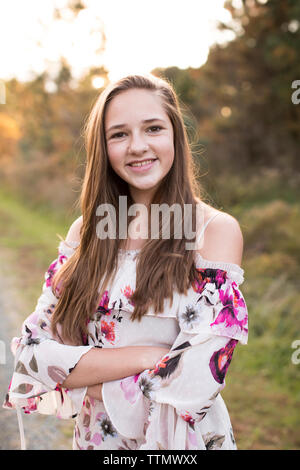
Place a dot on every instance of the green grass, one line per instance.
(35, 230)
(29, 241)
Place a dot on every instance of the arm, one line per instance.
(104, 365)
(43, 363)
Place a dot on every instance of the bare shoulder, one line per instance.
(74, 231)
(223, 238)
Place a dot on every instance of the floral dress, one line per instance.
(175, 406)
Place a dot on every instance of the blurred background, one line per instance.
(235, 67)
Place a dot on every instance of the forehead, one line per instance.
(134, 104)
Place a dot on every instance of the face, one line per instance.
(139, 137)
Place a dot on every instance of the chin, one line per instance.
(144, 187)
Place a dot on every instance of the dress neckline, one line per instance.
(208, 263)
(200, 261)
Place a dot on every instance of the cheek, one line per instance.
(114, 155)
(166, 149)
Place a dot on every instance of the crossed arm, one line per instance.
(223, 242)
(105, 365)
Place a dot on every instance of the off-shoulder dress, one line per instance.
(178, 404)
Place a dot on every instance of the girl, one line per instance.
(132, 336)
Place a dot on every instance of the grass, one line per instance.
(29, 239)
(263, 385)
(264, 413)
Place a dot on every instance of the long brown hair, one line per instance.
(162, 264)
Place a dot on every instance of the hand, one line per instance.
(95, 391)
(152, 355)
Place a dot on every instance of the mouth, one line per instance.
(143, 165)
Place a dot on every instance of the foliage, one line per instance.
(241, 97)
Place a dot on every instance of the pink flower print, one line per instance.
(50, 273)
(53, 268)
(233, 318)
(104, 300)
(237, 298)
(61, 259)
(220, 277)
(220, 360)
(198, 285)
(108, 331)
(127, 292)
(211, 276)
(96, 439)
(59, 389)
(188, 418)
(31, 406)
(103, 304)
(160, 365)
(131, 388)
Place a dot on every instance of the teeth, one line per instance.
(142, 163)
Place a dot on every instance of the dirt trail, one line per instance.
(41, 432)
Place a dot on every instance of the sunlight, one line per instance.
(98, 82)
(124, 37)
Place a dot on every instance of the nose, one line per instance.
(138, 144)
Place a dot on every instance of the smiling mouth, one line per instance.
(144, 163)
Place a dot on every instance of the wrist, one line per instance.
(95, 391)
(144, 360)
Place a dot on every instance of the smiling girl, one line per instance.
(132, 337)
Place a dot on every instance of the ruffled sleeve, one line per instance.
(182, 387)
(190, 377)
(43, 362)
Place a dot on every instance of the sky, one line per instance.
(140, 35)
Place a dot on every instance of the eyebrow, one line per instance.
(145, 121)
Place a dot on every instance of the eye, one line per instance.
(152, 129)
(117, 135)
(155, 128)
